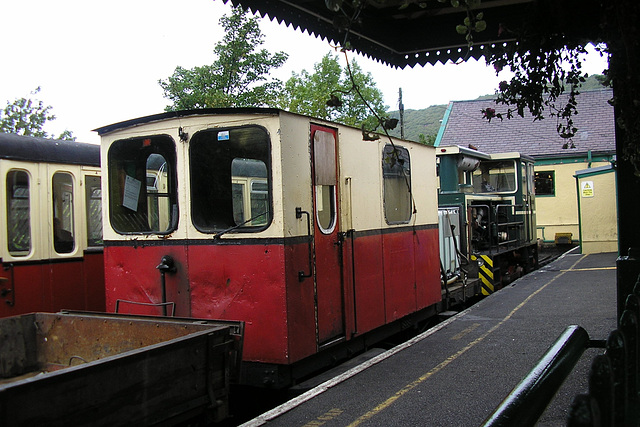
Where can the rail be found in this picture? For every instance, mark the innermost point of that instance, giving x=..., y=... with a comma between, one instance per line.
x=510, y=226
x=613, y=397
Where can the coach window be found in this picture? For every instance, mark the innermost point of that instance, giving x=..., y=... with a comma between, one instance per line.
x=250, y=192
x=63, y=221
x=142, y=185
x=93, y=195
x=18, y=213
x=396, y=172
x=545, y=183
x=230, y=179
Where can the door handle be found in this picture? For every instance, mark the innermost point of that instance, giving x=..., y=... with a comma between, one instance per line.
x=301, y=274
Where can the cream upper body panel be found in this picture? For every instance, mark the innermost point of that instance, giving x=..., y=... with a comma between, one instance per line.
x=360, y=177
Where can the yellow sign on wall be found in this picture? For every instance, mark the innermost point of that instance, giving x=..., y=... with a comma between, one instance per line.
x=587, y=188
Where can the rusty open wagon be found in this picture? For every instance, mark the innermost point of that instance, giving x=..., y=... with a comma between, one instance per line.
x=107, y=369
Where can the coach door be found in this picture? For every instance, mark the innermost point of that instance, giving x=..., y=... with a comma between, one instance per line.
x=327, y=243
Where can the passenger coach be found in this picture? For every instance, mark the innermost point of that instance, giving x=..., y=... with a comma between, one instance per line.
x=316, y=236
x=50, y=226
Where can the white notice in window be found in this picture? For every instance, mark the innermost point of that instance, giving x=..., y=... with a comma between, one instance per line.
x=131, y=193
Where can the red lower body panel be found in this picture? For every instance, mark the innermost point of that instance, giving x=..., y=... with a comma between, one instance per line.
x=53, y=285
x=385, y=277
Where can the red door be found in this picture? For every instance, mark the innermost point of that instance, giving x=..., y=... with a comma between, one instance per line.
x=327, y=243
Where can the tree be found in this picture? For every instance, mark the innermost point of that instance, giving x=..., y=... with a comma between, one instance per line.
x=332, y=93
x=238, y=76
x=27, y=117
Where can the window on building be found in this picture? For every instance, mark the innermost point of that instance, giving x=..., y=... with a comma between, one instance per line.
x=396, y=172
x=18, y=213
x=545, y=183
x=229, y=171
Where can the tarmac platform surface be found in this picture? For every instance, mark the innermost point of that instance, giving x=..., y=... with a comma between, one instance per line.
x=458, y=372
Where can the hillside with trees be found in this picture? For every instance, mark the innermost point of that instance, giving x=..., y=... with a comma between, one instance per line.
x=420, y=125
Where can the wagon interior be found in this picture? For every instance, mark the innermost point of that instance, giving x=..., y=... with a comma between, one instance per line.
x=37, y=343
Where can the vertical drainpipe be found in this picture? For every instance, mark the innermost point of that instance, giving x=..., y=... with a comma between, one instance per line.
x=579, y=209
x=443, y=124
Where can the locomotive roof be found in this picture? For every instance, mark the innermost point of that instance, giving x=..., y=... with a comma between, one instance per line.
x=183, y=113
x=32, y=149
x=472, y=152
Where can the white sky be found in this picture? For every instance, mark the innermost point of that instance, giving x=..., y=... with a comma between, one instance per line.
x=98, y=63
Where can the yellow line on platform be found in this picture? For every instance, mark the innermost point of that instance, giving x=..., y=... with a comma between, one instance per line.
x=455, y=356
x=465, y=331
x=590, y=269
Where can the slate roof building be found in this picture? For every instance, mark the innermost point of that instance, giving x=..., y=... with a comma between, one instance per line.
x=557, y=159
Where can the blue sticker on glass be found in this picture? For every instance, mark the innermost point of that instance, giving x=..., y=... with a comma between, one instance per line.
x=223, y=136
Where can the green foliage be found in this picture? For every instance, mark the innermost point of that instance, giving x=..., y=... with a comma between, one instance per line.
x=539, y=78
x=27, y=117
x=237, y=78
x=350, y=93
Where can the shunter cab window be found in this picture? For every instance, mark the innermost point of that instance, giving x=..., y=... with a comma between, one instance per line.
x=230, y=183
x=63, y=219
x=142, y=185
x=396, y=172
x=497, y=176
x=18, y=213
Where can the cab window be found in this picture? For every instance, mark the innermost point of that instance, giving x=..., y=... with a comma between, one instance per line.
x=142, y=185
x=495, y=176
x=230, y=183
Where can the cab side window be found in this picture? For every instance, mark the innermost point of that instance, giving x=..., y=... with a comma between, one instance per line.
x=396, y=173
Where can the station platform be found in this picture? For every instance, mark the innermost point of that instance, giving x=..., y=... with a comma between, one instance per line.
x=458, y=372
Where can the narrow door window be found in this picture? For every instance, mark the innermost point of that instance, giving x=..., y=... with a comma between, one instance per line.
x=94, y=210
x=324, y=152
x=63, y=221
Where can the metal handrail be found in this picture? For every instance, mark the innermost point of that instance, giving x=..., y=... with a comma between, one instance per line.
x=528, y=400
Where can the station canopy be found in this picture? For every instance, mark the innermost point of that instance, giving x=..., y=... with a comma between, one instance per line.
x=404, y=33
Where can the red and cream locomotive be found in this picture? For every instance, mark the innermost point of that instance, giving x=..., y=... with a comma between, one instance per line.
x=320, y=239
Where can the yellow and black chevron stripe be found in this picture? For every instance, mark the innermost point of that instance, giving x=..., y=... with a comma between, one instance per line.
x=485, y=273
